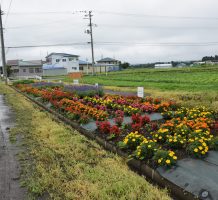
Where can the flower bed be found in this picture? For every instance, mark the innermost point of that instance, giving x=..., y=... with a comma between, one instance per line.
x=184, y=132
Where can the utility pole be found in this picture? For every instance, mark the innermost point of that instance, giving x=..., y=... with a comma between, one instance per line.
x=89, y=31
x=3, y=49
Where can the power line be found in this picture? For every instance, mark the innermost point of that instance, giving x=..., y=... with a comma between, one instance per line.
x=50, y=12
x=158, y=44
x=8, y=12
x=154, y=27
x=156, y=16
x=118, y=26
x=46, y=45
x=38, y=25
x=120, y=14
x=120, y=44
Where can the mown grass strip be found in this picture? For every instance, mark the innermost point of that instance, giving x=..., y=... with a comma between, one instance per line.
x=63, y=164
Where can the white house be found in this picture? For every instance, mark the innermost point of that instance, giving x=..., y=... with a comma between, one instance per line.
x=163, y=66
x=64, y=60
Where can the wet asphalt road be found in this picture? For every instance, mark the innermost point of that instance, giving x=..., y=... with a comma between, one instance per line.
x=9, y=166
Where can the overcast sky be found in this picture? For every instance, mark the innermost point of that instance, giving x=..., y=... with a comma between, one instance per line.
x=131, y=24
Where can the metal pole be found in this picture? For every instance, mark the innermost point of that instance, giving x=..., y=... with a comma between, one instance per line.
x=3, y=49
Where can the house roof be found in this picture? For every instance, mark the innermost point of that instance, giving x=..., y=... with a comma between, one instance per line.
x=62, y=54
x=30, y=63
x=12, y=62
x=107, y=60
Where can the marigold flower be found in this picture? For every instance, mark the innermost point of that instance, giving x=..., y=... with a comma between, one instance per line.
x=196, y=150
x=168, y=161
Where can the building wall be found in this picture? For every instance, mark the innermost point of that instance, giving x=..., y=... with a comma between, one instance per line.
x=17, y=71
x=30, y=71
x=71, y=63
x=54, y=72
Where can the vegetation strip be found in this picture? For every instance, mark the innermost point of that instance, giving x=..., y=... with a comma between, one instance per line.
x=137, y=165
x=64, y=164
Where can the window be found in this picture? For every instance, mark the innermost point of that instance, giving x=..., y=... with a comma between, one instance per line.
x=38, y=70
x=74, y=68
x=31, y=70
x=64, y=60
x=57, y=60
x=24, y=70
x=16, y=70
x=71, y=59
x=81, y=68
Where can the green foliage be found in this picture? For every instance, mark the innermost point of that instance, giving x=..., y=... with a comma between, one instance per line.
x=165, y=158
x=197, y=148
x=146, y=149
x=23, y=82
x=213, y=144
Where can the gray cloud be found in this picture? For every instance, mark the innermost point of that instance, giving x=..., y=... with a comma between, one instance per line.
x=32, y=29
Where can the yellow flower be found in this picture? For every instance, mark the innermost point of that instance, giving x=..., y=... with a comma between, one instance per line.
x=168, y=161
x=204, y=144
x=175, y=157
x=170, y=140
x=160, y=137
x=200, y=147
x=159, y=160
x=149, y=146
x=171, y=154
x=203, y=152
x=133, y=139
x=196, y=150
x=125, y=141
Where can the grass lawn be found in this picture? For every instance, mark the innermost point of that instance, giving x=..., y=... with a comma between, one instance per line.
x=184, y=79
x=62, y=164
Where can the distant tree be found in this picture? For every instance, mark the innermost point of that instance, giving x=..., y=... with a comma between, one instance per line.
x=210, y=58
x=8, y=70
x=124, y=65
x=174, y=64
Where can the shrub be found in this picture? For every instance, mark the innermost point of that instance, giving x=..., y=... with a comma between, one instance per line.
x=213, y=144
x=115, y=130
x=132, y=140
x=23, y=82
x=84, y=119
x=176, y=141
x=161, y=135
x=104, y=127
x=165, y=158
x=197, y=148
x=146, y=149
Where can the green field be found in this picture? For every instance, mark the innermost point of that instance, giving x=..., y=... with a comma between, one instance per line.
x=196, y=79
